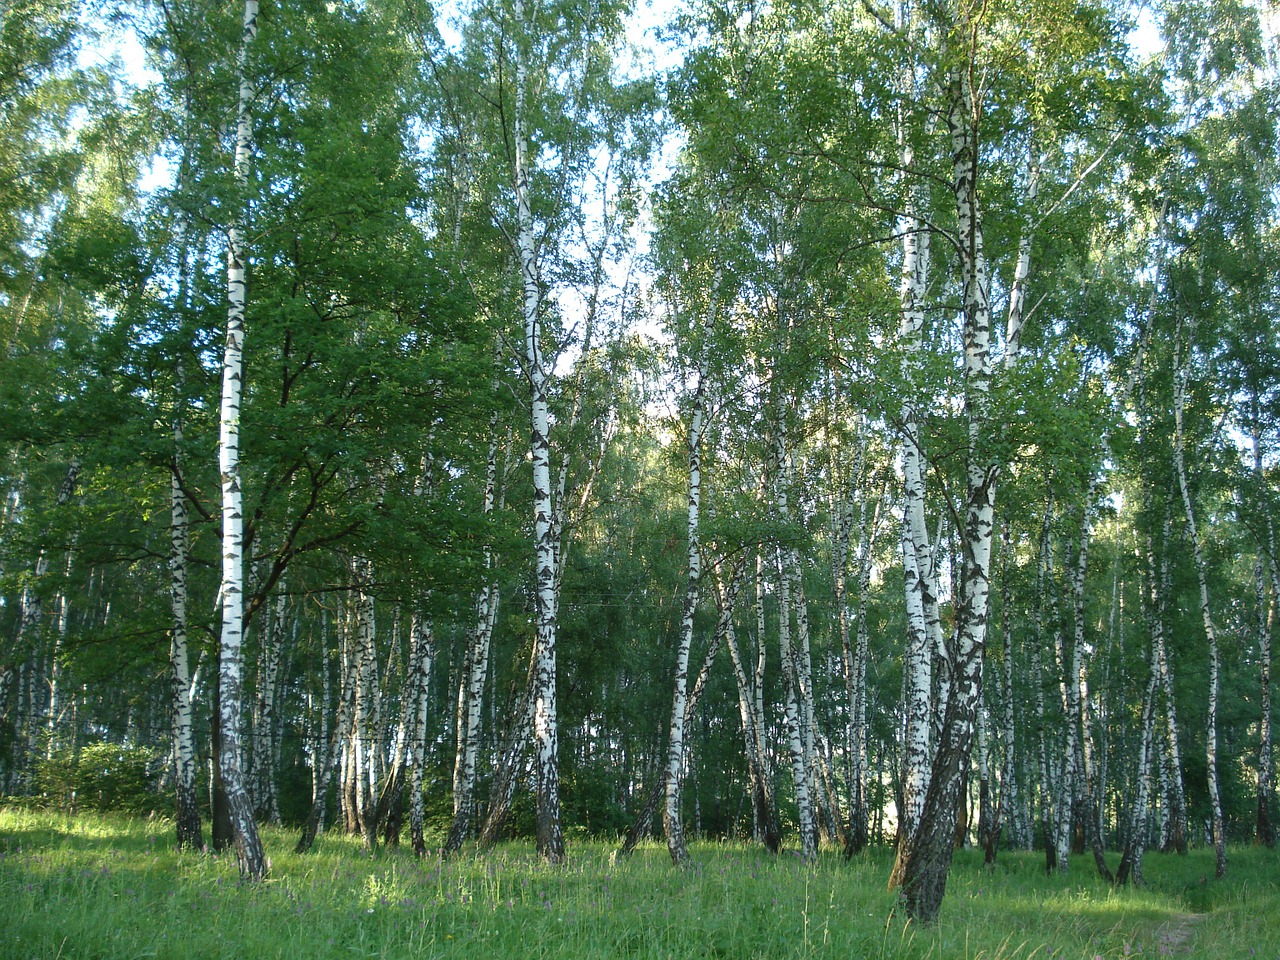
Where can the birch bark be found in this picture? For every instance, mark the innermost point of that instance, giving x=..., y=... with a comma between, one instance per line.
x=471, y=691
x=1182, y=351
x=545, y=732
x=924, y=636
x=675, y=740
x=249, y=855
x=187, y=819
x=928, y=854
x=758, y=768
x=1264, y=828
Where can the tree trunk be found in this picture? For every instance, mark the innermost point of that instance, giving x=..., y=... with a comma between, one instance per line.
x=1181, y=360
x=919, y=577
x=543, y=665
x=1089, y=798
x=328, y=760
x=187, y=814
x=927, y=855
x=1264, y=831
x=511, y=750
x=422, y=655
x=758, y=770
x=676, y=734
x=249, y=855
x=1130, y=869
x=471, y=686
x=367, y=733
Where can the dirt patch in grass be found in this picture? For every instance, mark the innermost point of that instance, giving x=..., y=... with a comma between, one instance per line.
x=1175, y=934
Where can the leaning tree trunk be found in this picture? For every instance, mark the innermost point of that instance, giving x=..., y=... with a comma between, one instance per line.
x=758, y=768
x=926, y=857
x=510, y=751
x=329, y=759
x=1181, y=360
x=658, y=787
x=471, y=685
x=671, y=822
x=249, y=854
x=1130, y=868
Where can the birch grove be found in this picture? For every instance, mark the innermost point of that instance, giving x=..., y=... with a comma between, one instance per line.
x=853, y=428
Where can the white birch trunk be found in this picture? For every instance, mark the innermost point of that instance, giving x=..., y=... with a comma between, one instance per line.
x=1265, y=829
x=1130, y=868
x=422, y=653
x=675, y=739
x=248, y=846
x=545, y=733
x=920, y=582
x=928, y=856
x=1181, y=360
x=368, y=704
x=471, y=686
x=1010, y=799
x=754, y=736
x=795, y=690
x=187, y=819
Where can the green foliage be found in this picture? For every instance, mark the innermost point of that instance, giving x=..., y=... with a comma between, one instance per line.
x=102, y=777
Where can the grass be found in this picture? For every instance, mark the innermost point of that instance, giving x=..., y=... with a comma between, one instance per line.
x=75, y=888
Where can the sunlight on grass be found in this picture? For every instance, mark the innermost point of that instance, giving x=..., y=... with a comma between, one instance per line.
x=115, y=888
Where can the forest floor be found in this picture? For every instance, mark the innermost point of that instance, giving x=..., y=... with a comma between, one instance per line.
x=109, y=888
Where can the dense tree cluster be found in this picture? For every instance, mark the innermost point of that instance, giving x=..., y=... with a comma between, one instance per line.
x=864, y=430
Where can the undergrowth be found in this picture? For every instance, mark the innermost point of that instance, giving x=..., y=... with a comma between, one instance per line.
x=111, y=888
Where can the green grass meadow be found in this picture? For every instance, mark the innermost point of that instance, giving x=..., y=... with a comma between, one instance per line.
x=110, y=888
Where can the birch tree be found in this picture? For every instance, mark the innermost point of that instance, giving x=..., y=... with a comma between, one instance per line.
x=249, y=853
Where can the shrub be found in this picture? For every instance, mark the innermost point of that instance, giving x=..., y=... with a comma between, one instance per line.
x=101, y=777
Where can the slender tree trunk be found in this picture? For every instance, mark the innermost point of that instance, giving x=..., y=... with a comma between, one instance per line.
x=29, y=647
x=367, y=741
x=510, y=752
x=545, y=733
x=422, y=655
x=329, y=760
x=1211, y=733
x=855, y=667
x=797, y=689
x=758, y=768
x=659, y=787
x=1010, y=808
x=676, y=735
x=264, y=755
x=920, y=583
x=1089, y=798
x=187, y=818
x=1172, y=793
x=390, y=810
x=1130, y=869
x=927, y=856
x=248, y=846
x=1264, y=832
x=471, y=687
